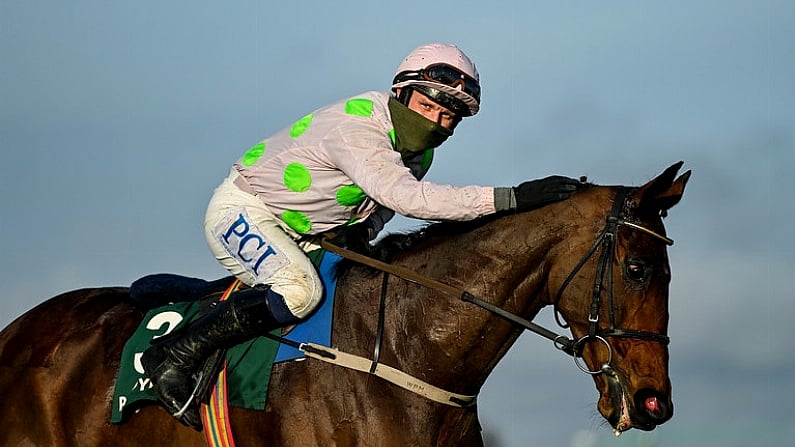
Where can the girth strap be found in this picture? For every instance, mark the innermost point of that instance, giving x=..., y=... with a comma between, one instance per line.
x=388, y=373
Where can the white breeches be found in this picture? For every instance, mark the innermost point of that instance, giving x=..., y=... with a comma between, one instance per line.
x=248, y=240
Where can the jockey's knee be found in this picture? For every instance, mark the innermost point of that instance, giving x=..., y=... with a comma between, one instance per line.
x=300, y=296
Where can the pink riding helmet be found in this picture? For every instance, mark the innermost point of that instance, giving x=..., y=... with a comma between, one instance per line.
x=446, y=69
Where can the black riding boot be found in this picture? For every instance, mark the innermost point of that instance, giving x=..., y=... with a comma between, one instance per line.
x=171, y=364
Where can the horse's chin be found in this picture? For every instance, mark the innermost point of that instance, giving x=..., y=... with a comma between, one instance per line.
x=617, y=407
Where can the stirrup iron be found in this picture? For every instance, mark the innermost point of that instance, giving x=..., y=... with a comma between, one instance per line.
x=191, y=398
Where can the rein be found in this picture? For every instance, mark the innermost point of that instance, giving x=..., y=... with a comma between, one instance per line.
x=606, y=241
x=561, y=341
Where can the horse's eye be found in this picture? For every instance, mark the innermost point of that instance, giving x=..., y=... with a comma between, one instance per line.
x=636, y=270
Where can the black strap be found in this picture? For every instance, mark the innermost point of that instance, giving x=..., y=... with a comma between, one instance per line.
x=208, y=373
x=570, y=278
x=596, y=298
x=379, y=336
x=562, y=342
x=299, y=346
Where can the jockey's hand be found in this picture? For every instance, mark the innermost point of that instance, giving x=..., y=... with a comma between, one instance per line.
x=537, y=193
x=354, y=237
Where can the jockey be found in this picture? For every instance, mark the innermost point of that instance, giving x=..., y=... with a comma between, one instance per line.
x=353, y=162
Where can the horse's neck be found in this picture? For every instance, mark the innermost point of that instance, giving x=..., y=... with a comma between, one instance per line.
x=455, y=344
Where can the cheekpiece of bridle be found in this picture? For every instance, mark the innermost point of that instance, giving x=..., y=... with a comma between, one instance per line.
x=605, y=243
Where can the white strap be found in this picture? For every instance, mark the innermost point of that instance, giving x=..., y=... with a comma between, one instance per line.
x=390, y=374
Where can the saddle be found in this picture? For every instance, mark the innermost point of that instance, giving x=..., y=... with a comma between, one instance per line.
x=173, y=300
x=160, y=289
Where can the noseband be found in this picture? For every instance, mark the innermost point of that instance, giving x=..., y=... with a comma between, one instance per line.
x=607, y=242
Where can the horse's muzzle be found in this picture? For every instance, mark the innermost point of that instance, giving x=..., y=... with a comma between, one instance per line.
x=645, y=409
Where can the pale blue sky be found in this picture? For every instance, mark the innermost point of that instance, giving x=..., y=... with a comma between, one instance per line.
x=117, y=119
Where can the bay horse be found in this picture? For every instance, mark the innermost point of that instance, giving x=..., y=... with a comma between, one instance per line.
x=599, y=258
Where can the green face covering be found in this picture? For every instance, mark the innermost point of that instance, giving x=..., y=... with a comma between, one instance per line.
x=413, y=132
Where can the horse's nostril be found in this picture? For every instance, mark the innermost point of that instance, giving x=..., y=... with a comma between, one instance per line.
x=651, y=404
x=652, y=407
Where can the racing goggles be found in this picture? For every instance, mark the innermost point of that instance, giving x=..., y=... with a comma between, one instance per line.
x=446, y=75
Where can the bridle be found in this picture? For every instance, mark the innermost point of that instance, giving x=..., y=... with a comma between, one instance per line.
x=606, y=240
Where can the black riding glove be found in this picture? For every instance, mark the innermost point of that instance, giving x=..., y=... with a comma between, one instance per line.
x=535, y=193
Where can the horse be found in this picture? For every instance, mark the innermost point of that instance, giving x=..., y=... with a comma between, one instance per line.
x=599, y=258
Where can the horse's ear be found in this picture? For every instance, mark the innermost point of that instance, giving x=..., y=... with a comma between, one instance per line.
x=664, y=191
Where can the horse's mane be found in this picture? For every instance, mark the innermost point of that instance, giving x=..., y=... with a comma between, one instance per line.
x=394, y=244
